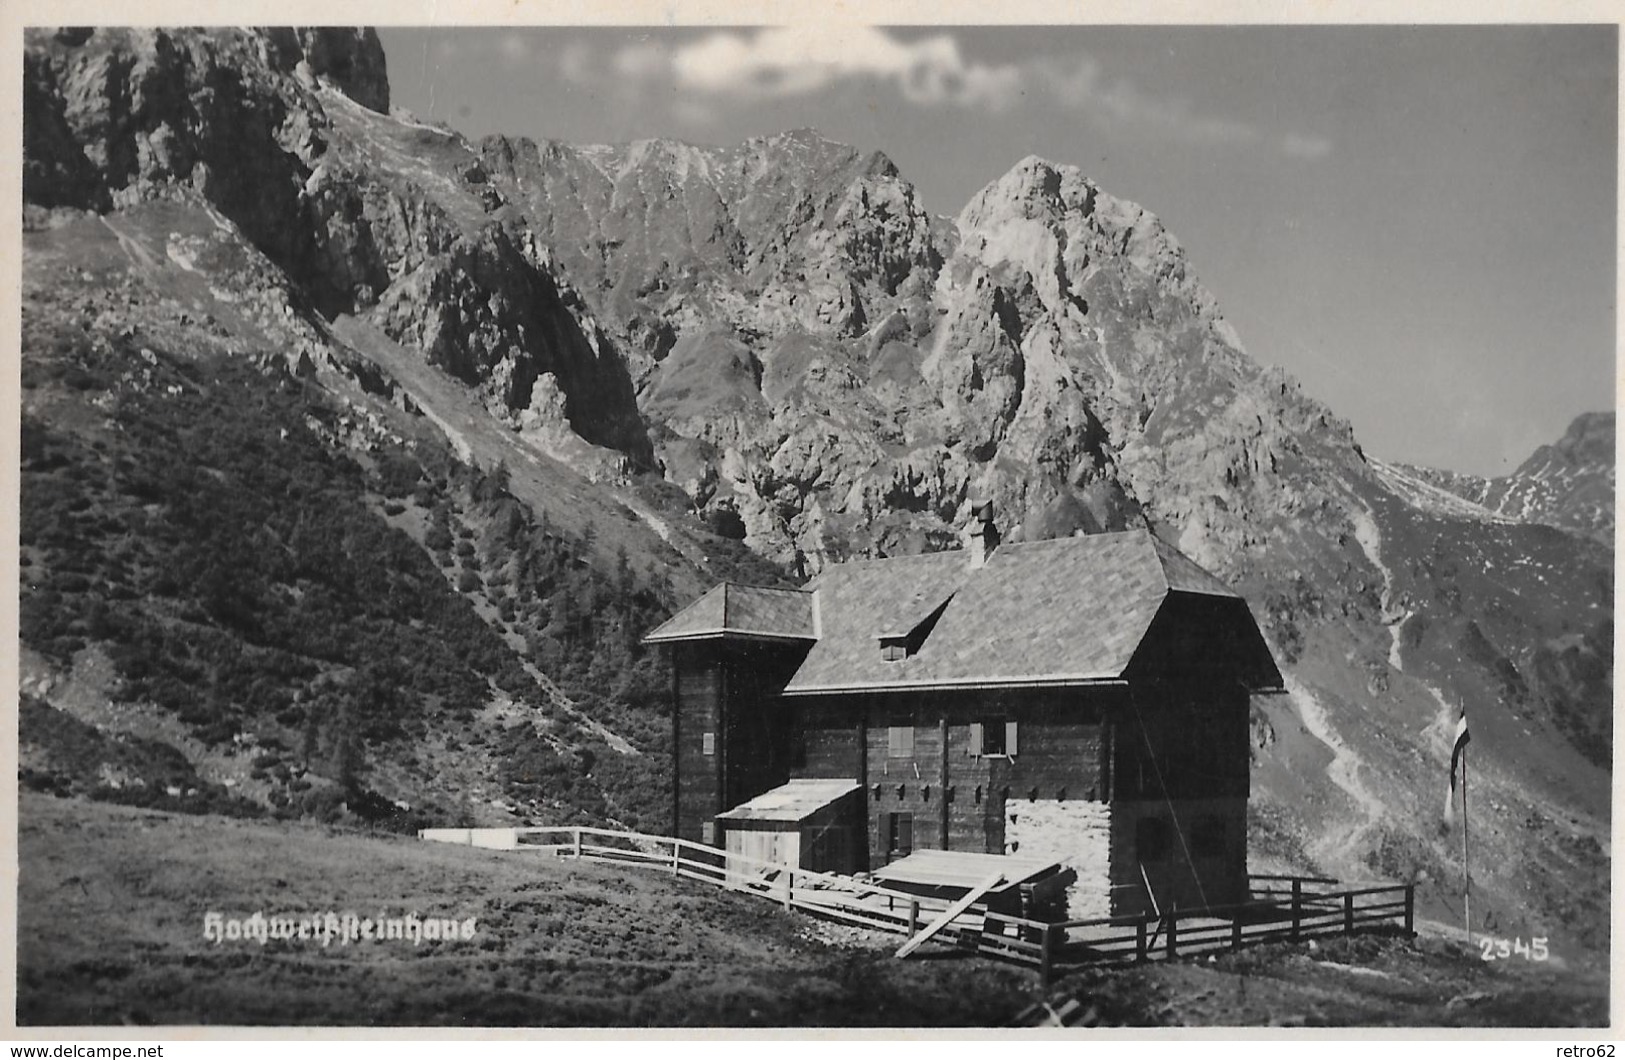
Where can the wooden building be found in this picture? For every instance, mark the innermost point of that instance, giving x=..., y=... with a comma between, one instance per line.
x=813, y=824
x=1084, y=700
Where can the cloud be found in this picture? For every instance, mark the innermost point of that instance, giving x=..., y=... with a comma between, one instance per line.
x=513, y=48
x=780, y=62
x=643, y=61
x=576, y=62
x=785, y=62
x=1080, y=84
x=1310, y=147
x=741, y=68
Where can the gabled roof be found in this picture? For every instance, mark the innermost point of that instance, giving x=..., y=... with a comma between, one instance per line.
x=1184, y=575
x=1066, y=611
x=1063, y=612
x=749, y=611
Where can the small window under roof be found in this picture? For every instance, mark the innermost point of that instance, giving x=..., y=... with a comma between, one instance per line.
x=896, y=646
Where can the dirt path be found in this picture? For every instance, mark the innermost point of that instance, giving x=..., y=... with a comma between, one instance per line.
x=1369, y=537
x=139, y=255
x=1438, y=730
x=1337, y=848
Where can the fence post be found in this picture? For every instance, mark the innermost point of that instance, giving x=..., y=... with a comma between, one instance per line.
x=1297, y=907
x=1235, y=931
x=1410, y=909
x=1348, y=914
x=575, y=836
x=1139, y=940
x=1046, y=955
x=1173, y=933
x=913, y=917
x=676, y=856
x=789, y=886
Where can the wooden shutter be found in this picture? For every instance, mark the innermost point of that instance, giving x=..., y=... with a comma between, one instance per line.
x=900, y=741
x=1010, y=738
x=905, y=834
x=975, y=737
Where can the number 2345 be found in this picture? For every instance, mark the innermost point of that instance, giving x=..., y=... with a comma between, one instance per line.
x=1505, y=949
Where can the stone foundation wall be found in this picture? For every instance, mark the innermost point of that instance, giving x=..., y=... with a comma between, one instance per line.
x=1076, y=833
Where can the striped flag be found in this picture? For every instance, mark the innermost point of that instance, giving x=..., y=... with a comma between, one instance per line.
x=1463, y=738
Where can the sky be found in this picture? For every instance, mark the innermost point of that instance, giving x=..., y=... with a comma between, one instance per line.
x=1419, y=223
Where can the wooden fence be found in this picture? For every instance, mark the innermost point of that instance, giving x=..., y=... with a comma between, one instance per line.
x=1282, y=908
x=843, y=898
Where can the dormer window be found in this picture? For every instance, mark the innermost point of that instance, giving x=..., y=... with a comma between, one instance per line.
x=897, y=644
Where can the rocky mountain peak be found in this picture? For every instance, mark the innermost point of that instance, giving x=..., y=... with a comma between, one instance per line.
x=1034, y=187
x=351, y=59
x=1569, y=483
x=805, y=139
x=1589, y=441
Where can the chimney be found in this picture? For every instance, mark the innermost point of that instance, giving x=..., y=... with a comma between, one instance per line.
x=981, y=536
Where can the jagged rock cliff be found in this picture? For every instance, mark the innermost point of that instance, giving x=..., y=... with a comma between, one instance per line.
x=272, y=129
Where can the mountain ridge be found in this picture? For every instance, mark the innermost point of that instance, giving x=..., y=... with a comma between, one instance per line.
x=1582, y=464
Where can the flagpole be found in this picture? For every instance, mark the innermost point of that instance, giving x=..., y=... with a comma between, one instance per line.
x=1466, y=865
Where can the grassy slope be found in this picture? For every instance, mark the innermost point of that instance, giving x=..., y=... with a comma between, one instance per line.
x=111, y=903
x=1367, y=981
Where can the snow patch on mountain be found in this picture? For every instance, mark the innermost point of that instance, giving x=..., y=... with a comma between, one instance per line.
x=1435, y=500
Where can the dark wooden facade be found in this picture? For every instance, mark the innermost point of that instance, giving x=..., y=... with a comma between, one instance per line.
x=730, y=733
x=1168, y=759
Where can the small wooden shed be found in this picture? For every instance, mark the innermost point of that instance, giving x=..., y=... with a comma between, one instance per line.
x=811, y=824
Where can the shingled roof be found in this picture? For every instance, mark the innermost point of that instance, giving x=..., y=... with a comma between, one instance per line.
x=1068, y=611
x=752, y=611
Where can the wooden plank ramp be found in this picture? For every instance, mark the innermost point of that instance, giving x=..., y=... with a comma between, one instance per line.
x=950, y=914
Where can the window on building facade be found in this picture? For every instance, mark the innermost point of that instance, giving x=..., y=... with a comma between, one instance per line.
x=900, y=741
x=899, y=833
x=993, y=736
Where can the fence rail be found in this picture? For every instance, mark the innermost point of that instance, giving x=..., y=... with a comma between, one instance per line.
x=1281, y=908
